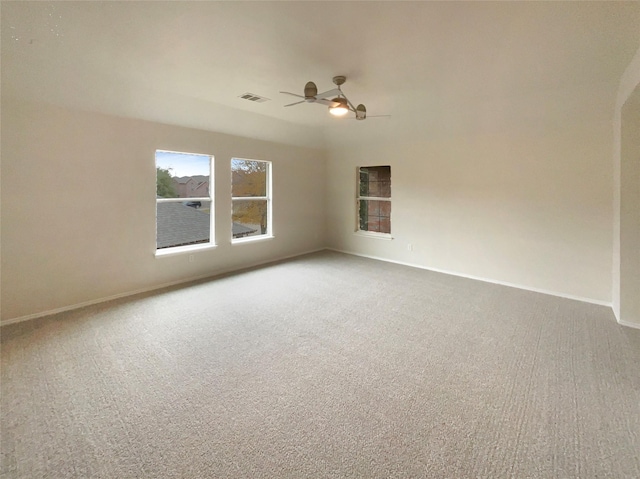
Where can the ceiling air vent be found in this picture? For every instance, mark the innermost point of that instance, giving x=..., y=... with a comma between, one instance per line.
x=254, y=97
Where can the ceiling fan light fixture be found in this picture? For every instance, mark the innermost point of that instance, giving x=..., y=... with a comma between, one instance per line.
x=340, y=109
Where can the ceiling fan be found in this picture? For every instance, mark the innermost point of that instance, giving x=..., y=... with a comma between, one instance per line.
x=339, y=105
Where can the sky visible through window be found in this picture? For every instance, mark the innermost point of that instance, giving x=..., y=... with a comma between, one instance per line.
x=182, y=164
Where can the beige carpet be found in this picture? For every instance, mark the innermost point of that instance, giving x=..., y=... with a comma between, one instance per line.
x=325, y=366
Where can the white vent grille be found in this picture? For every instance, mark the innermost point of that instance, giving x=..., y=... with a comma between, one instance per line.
x=253, y=97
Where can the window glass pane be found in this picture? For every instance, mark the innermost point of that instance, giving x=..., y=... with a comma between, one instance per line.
x=249, y=218
x=375, y=181
x=248, y=178
x=182, y=175
x=180, y=224
x=375, y=216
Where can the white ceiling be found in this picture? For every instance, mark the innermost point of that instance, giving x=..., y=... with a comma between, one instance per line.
x=444, y=66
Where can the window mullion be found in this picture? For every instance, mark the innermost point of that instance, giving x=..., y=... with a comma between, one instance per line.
x=180, y=200
x=375, y=198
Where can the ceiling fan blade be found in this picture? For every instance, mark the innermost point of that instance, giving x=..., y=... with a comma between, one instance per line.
x=368, y=116
x=296, y=103
x=327, y=102
x=327, y=94
x=292, y=94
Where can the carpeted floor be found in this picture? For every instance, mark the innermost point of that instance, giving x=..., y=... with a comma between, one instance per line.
x=325, y=366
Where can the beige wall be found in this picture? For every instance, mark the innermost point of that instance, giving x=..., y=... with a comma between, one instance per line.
x=528, y=204
x=78, y=209
x=529, y=207
x=630, y=212
x=626, y=267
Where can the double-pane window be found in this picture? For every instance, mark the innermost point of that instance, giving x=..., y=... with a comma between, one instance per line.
x=251, y=198
x=184, y=200
x=374, y=199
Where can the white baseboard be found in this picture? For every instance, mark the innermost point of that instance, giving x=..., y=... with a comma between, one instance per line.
x=628, y=324
x=281, y=258
x=486, y=280
x=71, y=307
x=615, y=313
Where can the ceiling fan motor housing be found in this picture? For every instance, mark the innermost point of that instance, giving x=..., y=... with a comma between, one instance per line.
x=339, y=80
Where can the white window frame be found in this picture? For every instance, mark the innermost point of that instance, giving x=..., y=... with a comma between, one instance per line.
x=358, y=231
x=268, y=198
x=190, y=248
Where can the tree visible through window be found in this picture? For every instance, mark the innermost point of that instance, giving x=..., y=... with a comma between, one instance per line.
x=184, y=202
x=374, y=199
x=251, y=198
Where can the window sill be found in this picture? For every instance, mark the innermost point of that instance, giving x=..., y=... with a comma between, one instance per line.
x=368, y=234
x=183, y=249
x=252, y=239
